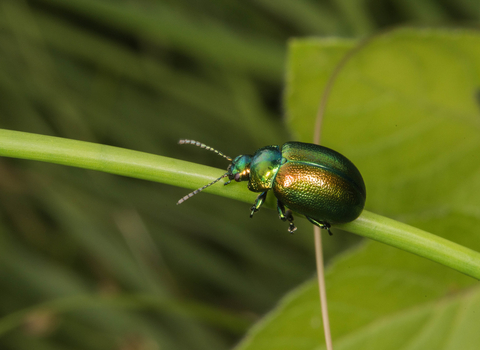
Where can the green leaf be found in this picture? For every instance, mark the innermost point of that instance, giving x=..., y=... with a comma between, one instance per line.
x=403, y=109
x=359, y=322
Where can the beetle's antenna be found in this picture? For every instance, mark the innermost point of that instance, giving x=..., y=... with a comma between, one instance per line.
x=191, y=194
x=202, y=145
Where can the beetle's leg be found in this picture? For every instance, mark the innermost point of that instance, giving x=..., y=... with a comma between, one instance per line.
x=281, y=210
x=258, y=203
x=285, y=215
x=322, y=224
x=289, y=216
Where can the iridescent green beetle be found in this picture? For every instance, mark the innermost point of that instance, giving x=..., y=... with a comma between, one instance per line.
x=309, y=179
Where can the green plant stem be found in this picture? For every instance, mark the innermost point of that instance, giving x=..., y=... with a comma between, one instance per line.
x=115, y=160
x=416, y=241
x=170, y=171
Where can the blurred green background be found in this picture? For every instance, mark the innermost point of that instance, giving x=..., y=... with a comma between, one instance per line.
x=95, y=261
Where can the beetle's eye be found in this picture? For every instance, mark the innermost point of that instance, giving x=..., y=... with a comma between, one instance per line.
x=237, y=177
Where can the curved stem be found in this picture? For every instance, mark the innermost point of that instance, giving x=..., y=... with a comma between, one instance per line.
x=115, y=160
x=170, y=171
x=416, y=241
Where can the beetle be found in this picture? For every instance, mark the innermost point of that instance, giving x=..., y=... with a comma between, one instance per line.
x=312, y=180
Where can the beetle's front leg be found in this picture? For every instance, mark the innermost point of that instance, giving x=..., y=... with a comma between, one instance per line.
x=286, y=215
x=258, y=203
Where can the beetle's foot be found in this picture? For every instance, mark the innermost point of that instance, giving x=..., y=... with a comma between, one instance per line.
x=322, y=224
x=253, y=210
x=289, y=216
x=326, y=226
x=291, y=228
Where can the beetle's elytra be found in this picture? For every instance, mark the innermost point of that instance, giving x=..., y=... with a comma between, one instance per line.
x=309, y=179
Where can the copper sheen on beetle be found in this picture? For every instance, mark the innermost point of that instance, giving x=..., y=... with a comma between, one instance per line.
x=309, y=179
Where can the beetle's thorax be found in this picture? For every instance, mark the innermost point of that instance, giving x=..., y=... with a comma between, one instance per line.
x=264, y=167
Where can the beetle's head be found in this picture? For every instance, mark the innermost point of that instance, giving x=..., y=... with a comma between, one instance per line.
x=239, y=169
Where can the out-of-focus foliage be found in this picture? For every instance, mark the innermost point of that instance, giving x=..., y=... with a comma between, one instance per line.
x=413, y=129
x=95, y=261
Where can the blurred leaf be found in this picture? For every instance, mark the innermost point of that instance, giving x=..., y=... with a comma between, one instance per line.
x=311, y=18
x=403, y=109
x=206, y=39
x=450, y=320
x=357, y=15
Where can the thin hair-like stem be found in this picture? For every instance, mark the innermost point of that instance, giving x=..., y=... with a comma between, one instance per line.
x=316, y=230
x=321, y=280
x=321, y=286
